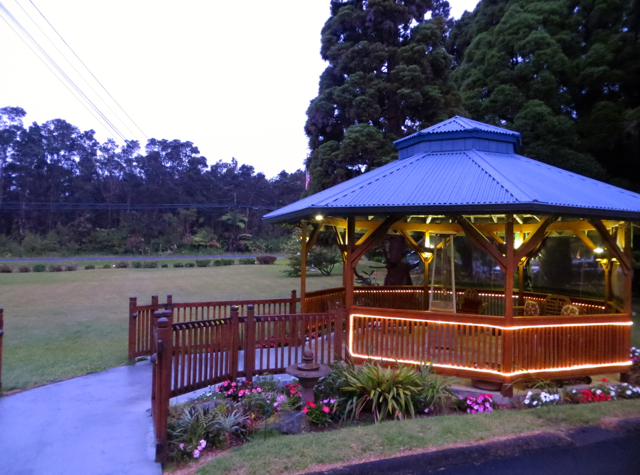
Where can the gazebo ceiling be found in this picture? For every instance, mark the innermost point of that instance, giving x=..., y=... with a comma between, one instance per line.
x=461, y=166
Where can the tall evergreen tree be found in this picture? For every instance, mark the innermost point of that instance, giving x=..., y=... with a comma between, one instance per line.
x=387, y=77
x=564, y=73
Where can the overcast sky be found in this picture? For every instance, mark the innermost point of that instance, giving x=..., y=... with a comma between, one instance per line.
x=233, y=77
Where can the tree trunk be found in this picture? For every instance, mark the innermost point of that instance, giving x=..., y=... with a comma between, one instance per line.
x=395, y=250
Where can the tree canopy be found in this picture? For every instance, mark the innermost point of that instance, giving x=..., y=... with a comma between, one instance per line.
x=387, y=77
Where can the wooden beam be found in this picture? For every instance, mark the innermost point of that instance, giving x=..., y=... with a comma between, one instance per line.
x=582, y=235
x=534, y=240
x=612, y=246
x=375, y=238
x=341, y=245
x=495, y=236
x=480, y=240
x=303, y=268
x=314, y=236
x=419, y=250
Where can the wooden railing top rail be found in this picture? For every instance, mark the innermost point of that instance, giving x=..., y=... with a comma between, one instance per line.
x=320, y=293
x=217, y=303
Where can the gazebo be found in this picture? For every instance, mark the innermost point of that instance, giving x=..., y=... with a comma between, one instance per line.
x=463, y=180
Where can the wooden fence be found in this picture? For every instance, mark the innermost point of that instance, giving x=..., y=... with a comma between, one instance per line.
x=141, y=342
x=192, y=355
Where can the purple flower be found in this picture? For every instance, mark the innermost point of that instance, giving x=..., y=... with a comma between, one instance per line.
x=181, y=446
x=196, y=453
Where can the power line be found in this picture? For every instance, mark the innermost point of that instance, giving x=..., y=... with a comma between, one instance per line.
x=102, y=117
x=71, y=64
x=48, y=206
x=87, y=68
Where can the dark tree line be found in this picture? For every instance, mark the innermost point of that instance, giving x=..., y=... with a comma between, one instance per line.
x=564, y=73
x=62, y=189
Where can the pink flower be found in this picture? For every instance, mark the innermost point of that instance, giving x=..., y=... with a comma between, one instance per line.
x=489, y=409
x=480, y=409
x=203, y=444
x=468, y=411
x=181, y=446
x=326, y=409
x=233, y=384
x=226, y=383
x=258, y=390
x=196, y=453
x=305, y=409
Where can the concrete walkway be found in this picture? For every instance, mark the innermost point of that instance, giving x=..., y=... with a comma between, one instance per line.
x=97, y=424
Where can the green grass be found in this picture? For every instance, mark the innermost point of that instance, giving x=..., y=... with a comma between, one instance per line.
x=286, y=454
x=64, y=324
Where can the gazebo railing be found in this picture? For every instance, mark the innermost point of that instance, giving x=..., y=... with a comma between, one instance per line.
x=483, y=347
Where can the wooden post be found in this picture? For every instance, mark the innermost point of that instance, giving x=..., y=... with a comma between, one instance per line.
x=235, y=339
x=507, y=335
x=628, y=277
x=154, y=300
x=338, y=329
x=250, y=343
x=521, y=266
x=292, y=305
x=133, y=315
x=606, y=265
x=1, y=338
x=169, y=301
x=164, y=341
x=348, y=279
x=303, y=269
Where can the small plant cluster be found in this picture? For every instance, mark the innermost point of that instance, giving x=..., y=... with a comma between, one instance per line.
x=477, y=404
x=226, y=415
x=349, y=391
x=542, y=398
x=246, y=261
x=320, y=414
x=223, y=262
x=237, y=390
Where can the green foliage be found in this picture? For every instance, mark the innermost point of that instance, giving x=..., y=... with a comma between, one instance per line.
x=178, y=264
x=89, y=267
x=106, y=266
x=164, y=266
x=122, y=265
x=246, y=261
x=266, y=260
x=383, y=390
x=136, y=265
x=39, y=268
x=203, y=262
x=321, y=258
x=387, y=77
x=223, y=262
x=71, y=268
x=563, y=73
x=189, y=264
x=150, y=264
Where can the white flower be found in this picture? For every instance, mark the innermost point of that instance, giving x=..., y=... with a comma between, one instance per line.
x=535, y=403
x=526, y=401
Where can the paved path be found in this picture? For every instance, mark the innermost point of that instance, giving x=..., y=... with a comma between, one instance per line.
x=97, y=424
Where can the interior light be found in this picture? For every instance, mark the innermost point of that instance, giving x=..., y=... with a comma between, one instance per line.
x=598, y=250
x=319, y=217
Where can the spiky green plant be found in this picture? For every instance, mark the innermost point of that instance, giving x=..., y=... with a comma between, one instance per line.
x=387, y=391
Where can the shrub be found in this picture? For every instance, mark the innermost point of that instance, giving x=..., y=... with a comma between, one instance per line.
x=164, y=266
x=122, y=265
x=266, y=260
x=626, y=391
x=189, y=264
x=387, y=391
x=71, y=268
x=24, y=269
x=203, y=262
x=246, y=261
x=150, y=264
x=227, y=262
x=178, y=264
x=237, y=389
x=217, y=263
x=55, y=268
x=6, y=269
x=39, y=268
x=320, y=414
x=89, y=267
x=106, y=266
x=136, y=265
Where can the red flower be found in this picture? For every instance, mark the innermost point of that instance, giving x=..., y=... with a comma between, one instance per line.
x=605, y=380
x=305, y=409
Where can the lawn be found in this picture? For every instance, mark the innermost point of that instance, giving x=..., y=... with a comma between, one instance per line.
x=309, y=452
x=64, y=324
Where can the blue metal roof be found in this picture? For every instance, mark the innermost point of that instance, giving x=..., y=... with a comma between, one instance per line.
x=469, y=179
